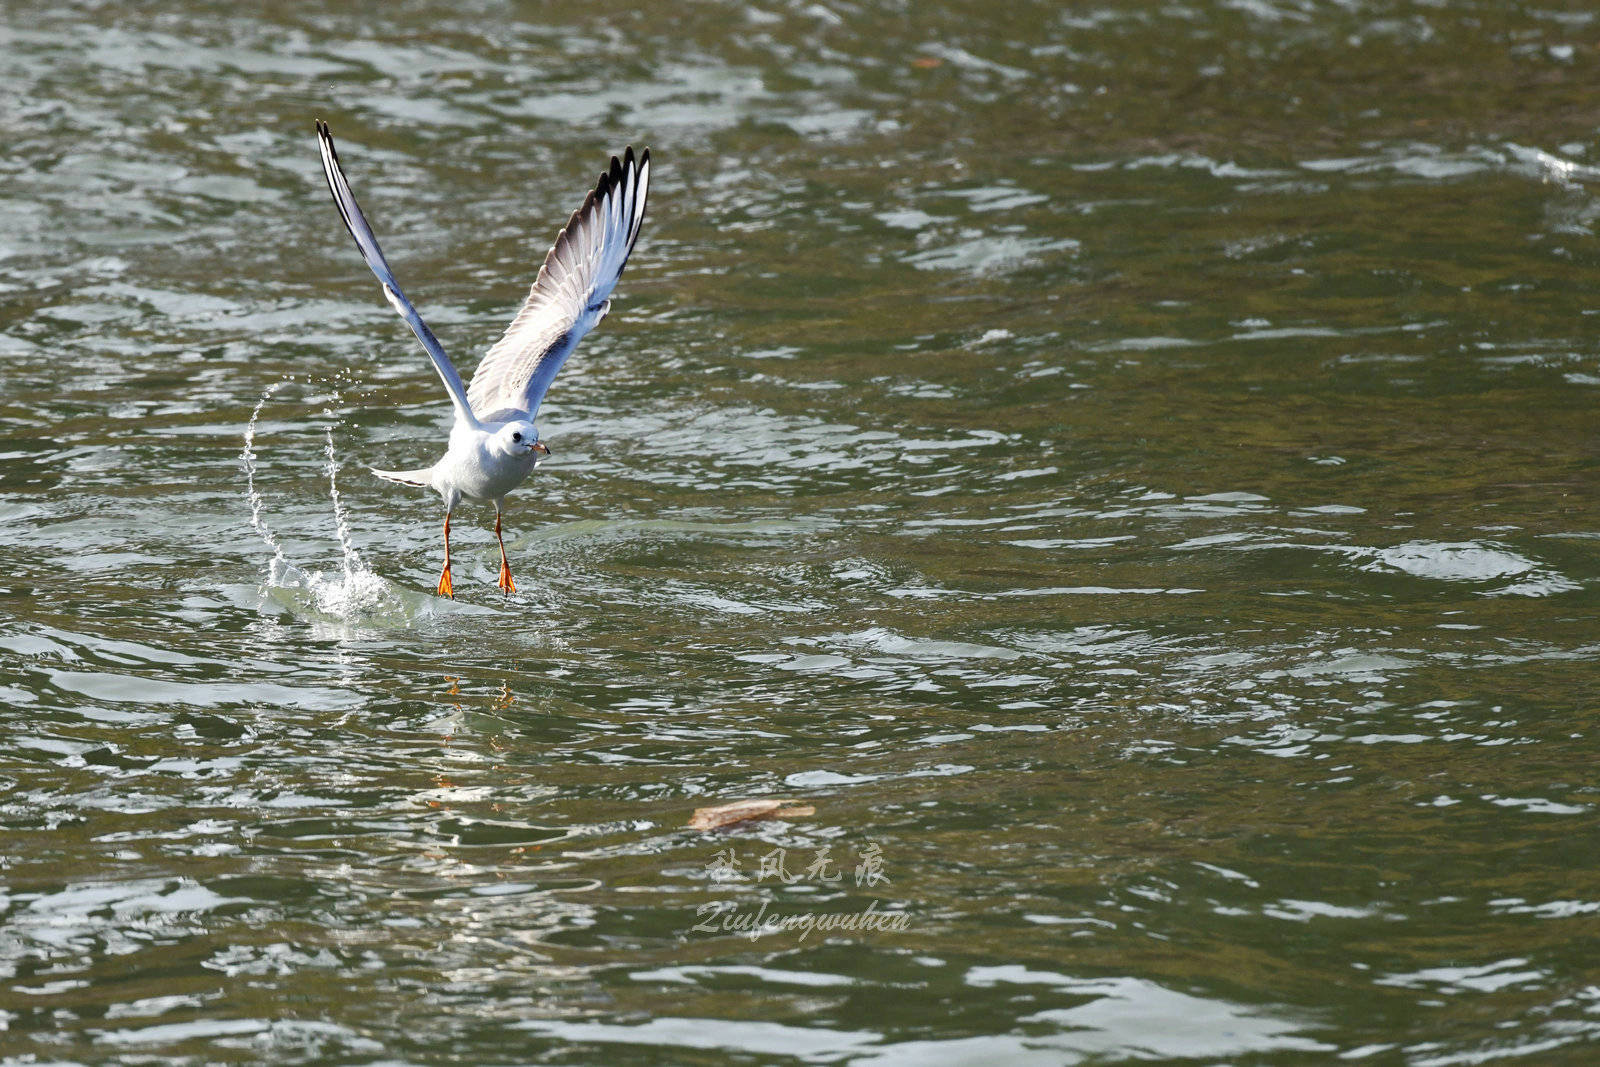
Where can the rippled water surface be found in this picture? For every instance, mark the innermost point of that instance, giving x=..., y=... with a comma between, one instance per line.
x=1131, y=470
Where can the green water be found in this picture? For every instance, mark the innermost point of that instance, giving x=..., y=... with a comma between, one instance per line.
x=1131, y=469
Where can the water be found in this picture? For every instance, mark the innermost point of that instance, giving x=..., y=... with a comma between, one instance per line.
x=1131, y=469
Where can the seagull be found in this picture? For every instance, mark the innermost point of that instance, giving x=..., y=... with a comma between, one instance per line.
x=494, y=444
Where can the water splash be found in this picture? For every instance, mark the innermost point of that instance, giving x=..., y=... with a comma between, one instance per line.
x=356, y=588
x=352, y=590
x=278, y=568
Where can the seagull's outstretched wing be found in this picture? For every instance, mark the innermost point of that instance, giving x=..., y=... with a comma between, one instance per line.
x=356, y=223
x=569, y=296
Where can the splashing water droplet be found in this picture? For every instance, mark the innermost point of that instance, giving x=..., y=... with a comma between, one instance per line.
x=358, y=588
x=279, y=567
x=354, y=589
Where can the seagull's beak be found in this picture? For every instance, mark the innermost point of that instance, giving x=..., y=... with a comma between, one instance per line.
x=541, y=448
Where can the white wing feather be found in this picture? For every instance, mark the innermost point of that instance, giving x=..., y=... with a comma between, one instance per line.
x=367, y=242
x=569, y=296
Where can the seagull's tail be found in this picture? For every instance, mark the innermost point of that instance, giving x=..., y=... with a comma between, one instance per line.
x=422, y=478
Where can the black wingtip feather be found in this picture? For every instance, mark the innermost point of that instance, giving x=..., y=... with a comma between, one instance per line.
x=611, y=178
x=326, y=137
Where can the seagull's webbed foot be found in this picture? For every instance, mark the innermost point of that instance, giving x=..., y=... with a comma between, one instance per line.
x=507, y=586
x=445, y=588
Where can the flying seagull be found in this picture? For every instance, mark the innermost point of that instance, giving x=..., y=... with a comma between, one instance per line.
x=494, y=444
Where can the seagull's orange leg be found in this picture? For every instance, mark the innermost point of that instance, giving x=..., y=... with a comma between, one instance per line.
x=506, y=584
x=445, y=588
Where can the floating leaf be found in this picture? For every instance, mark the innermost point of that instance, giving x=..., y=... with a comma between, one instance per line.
x=715, y=818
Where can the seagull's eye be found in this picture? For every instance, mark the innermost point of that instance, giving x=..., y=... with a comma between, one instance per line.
x=516, y=435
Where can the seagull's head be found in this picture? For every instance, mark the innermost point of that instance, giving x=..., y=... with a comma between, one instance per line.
x=520, y=438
